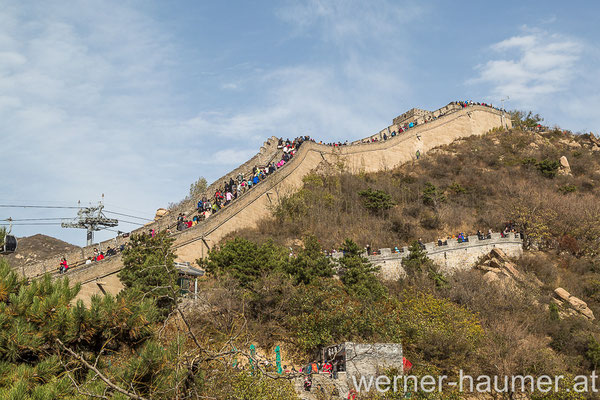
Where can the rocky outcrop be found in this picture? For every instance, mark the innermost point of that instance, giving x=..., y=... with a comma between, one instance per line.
x=565, y=299
x=161, y=212
x=570, y=143
x=499, y=268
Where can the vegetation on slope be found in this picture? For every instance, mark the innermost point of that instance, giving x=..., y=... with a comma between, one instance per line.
x=475, y=183
x=148, y=342
x=127, y=347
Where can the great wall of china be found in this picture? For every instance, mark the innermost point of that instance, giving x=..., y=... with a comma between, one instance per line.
x=451, y=256
x=433, y=129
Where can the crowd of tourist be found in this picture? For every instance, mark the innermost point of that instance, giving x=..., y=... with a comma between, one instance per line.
x=431, y=117
x=101, y=255
x=468, y=103
x=231, y=190
x=96, y=256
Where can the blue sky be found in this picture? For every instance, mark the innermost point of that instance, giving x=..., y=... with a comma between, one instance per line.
x=137, y=99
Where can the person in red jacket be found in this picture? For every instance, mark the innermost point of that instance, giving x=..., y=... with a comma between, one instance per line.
x=63, y=266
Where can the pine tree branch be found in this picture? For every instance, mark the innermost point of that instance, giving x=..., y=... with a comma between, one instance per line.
x=99, y=396
x=100, y=375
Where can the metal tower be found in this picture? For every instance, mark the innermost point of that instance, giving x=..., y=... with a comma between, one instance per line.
x=92, y=219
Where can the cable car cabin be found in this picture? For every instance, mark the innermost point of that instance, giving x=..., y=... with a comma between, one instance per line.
x=9, y=246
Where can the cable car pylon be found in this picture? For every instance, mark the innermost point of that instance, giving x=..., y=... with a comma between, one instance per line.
x=92, y=219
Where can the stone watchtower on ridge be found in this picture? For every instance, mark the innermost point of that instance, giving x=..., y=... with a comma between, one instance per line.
x=412, y=115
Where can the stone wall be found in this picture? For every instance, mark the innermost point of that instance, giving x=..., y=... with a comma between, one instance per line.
x=410, y=116
x=246, y=211
x=76, y=257
x=372, y=359
x=451, y=257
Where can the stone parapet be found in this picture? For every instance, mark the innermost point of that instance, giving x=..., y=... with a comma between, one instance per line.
x=451, y=256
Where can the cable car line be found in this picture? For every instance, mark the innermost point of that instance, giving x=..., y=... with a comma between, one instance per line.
x=37, y=206
x=127, y=215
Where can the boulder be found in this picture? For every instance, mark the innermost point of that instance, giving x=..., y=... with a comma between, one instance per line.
x=490, y=277
x=161, y=212
x=511, y=268
x=490, y=269
x=495, y=263
x=496, y=252
x=562, y=294
x=570, y=143
x=594, y=140
x=556, y=301
x=565, y=168
x=575, y=303
x=581, y=307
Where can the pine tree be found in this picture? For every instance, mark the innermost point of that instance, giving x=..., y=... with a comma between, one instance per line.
x=246, y=261
x=149, y=270
x=417, y=264
x=358, y=274
x=38, y=322
x=311, y=263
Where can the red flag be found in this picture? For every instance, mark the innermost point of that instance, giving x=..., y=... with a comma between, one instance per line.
x=406, y=364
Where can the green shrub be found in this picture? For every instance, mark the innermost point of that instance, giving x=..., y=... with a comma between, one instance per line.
x=358, y=274
x=553, y=309
x=432, y=196
x=246, y=261
x=529, y=161
x=570, y=188
x=376, y=200
x=548, y=168
x=149, y=270
x=457, y=188
x=438, y=328
x=418, y=264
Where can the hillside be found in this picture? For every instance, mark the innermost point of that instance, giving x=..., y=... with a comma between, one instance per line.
x=530, y=315
x=31, y=249
x=505, y=177
x=474, y=183
x=416, y=134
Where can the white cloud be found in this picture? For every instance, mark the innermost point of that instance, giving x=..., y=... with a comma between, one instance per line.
x=83, y=87
x=349, y=22
x=549, y=73
x=352, y=93
x=88, y=103
x=534, y=64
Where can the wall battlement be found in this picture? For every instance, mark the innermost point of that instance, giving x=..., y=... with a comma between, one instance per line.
x=451, y=257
